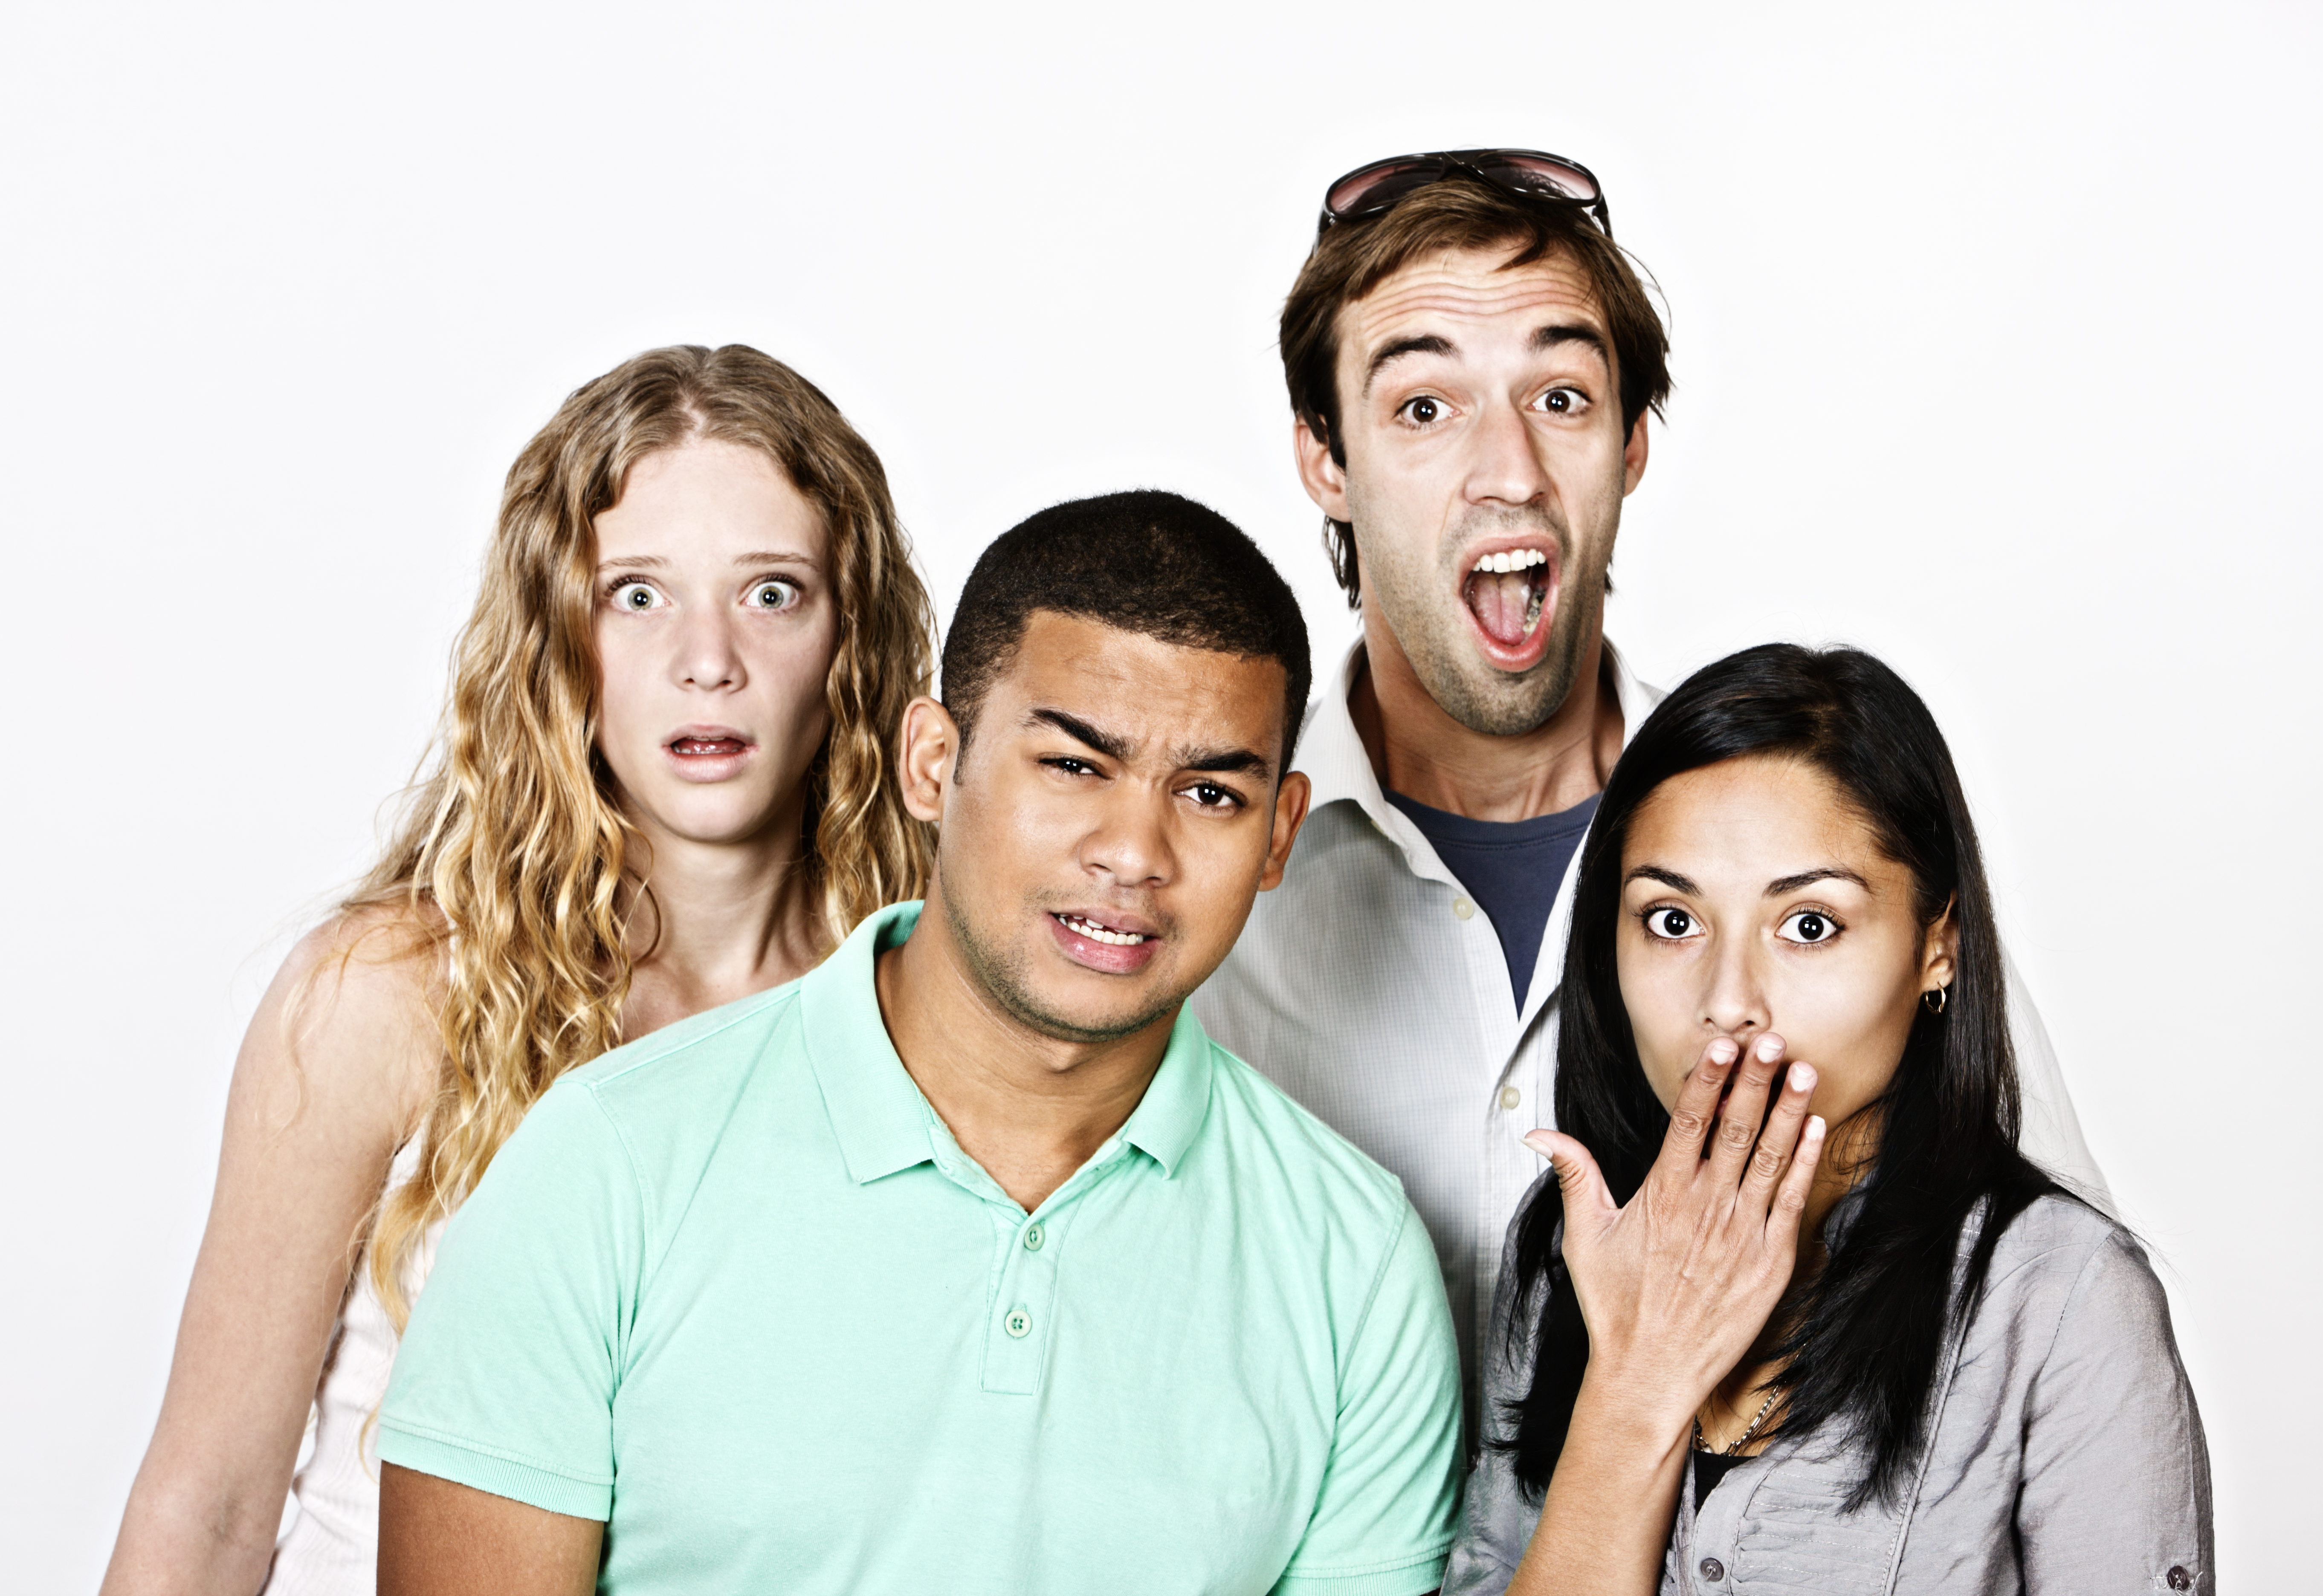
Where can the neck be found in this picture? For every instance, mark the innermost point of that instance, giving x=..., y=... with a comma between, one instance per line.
x=718, y=921
x=1028, y=1107
x=1423, y=753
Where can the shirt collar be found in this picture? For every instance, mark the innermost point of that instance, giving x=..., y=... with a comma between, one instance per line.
x=882, y=1121
x=1164, y=1124
x=1339, y=768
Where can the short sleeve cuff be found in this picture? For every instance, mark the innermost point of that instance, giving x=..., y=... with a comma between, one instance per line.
x=1411, y=1576
x=464, y=1463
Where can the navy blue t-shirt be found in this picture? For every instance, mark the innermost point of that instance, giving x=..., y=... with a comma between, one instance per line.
x=1512, y=868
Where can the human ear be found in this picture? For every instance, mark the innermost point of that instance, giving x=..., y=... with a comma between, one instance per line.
x=1324, y=478
x=1633, y=456
x=931, y=740
x=1290, y=799
x=1940, y=950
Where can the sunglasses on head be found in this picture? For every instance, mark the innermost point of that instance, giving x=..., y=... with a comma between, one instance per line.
x=1375, y=189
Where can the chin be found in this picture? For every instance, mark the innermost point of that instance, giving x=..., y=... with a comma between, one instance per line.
x=716, y=825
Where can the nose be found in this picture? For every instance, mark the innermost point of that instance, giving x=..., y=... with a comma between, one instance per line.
x=1734, y=1000
x=1504, y=467
x=1130, y=845
x=707, y=657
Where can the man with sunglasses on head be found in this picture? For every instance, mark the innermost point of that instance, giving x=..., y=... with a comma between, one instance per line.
x=1472, y=362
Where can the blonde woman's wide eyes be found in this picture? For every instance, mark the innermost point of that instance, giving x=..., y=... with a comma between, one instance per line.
x=1809, y=926
x=1671, y=925
x=635, y=596
x=774, y=595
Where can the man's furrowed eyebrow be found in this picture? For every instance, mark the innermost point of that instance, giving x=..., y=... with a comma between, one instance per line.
x=1788, y=884
x=1080, y=730
x=1670, y=878
x=1549, y=338
x=1225, y=762
x=1396, y=349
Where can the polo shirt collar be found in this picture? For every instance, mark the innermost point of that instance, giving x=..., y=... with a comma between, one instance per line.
x=877, y=1112
x=1166, y=1120
x=881, y=1120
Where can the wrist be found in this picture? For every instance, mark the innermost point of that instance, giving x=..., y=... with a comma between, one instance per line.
x=1644, y=1415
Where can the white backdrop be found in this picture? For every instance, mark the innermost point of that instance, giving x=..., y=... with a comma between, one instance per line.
x=1995, y=338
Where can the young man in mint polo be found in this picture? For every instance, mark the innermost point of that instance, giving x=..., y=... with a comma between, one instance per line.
x=967, y=1261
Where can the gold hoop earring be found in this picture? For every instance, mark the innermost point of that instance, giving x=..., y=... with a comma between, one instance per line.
x=1934, y=998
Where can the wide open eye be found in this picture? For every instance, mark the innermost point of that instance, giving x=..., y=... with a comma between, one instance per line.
x=1809, y=926
x=1670, y=924
x=1563, y=401
x=635, y=596
x=775, y=594
x=1423, y=412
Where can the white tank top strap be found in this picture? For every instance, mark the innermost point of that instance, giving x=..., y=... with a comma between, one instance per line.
x=329, y=1544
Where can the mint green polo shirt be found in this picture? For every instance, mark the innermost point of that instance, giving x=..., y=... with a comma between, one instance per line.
x=734, y=1290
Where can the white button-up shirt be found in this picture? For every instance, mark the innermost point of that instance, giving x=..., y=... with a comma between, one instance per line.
x=1372, y=988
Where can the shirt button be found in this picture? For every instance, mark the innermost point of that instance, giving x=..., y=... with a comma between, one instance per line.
x=2179, y=1579
x=1033, y=1236
x=1713, y=1570
x=1511, y=1097
x=1018, y=1324
x=1463, y=908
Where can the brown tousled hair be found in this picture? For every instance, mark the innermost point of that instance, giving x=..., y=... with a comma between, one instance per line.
x=514, y=873
x=1455, y=213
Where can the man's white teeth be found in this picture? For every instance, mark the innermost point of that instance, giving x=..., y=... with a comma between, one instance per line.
x=1514, y=559
x=1097, y=933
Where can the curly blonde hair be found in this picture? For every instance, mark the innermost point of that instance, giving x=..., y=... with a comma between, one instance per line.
x=508, y=870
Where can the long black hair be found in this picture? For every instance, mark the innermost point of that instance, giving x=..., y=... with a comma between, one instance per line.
x=1867, y=1335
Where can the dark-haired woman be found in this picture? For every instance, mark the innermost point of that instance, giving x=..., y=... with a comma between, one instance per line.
x=1791, y=1312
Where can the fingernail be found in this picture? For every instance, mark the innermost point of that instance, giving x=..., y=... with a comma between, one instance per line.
x=1722, y=1052
x=1814, y=1127
x=1771, y=1047
x=1539, y=1143
x=1802, y=1078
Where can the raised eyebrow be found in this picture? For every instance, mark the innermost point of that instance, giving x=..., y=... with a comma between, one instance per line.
x=634, y=563
x=1670, y=878
x=1396, y=349
x=1557, y=333
x=775, y=557
x=1789, y=884
x=1080, y=730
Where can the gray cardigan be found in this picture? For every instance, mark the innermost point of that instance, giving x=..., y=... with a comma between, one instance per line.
x=2064, y=1453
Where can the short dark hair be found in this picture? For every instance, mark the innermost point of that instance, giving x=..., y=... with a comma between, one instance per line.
x=1146, y=562
x=1864, y=1347
x=1455, y=213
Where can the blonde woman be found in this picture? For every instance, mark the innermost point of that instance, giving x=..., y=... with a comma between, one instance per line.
x=661, y=785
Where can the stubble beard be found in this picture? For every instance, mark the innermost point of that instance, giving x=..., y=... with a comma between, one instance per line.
x=1435, y=639
x=1005, y=972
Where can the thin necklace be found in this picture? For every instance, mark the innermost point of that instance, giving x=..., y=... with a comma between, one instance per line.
x=1742, y=1440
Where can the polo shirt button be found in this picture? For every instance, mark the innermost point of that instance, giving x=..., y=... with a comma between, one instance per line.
x=1463, y=908
x=1511, y=1097
x=2179, y=1579
x=1033, y=1236
x=1018, y=1324
x=1713, y=1570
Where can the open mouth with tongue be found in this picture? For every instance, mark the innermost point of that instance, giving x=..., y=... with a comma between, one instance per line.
x=707, y=753
x=1509, y=595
